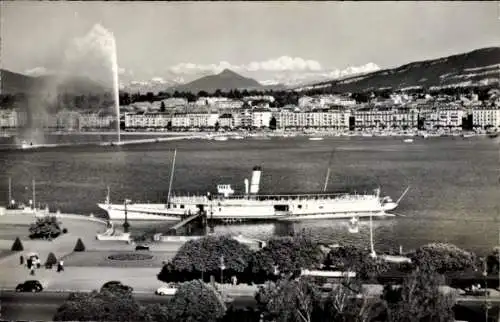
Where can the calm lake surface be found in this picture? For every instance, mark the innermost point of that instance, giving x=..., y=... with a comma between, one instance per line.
x=454, y=194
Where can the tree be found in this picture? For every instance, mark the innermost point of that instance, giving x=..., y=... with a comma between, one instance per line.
x=100, y=306
x=291, y=254
x=442, y=258
x=272, y=123
x=354, y=259
x=45, y=227
x=204, y=256
x=289, y=300
x=157, y=312
x=117, y=288
x=196, y=301
x=17, y=246
x=419, y=299
x=79, y=247
x=51, y=259
x=162, y=107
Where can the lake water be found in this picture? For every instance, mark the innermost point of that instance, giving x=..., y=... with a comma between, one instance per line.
x=454, y=194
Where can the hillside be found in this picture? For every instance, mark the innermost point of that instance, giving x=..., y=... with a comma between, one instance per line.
x=478, y=67
x=226, y=80
x=13, y=83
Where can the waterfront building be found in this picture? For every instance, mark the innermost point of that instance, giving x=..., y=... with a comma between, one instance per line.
x=227, y=121
x=448, y=116
x=180, y=120
x=261, y=117
x=96, y=121
x=333, y=118
x=202, y=120
x=147, y=120
x=8, y=119
x=485, y=117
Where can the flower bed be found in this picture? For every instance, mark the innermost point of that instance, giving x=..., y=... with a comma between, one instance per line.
x=130, y=257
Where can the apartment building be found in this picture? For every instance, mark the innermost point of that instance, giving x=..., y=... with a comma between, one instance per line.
x=385, y=117
x=328, y=118
x=96, y=121
x=147, y=120
x=261, y=118
x=486, y=117
x=8, y=119
x=444, y=117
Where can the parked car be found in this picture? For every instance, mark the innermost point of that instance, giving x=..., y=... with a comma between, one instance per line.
x=166, y=290
x=29, y=286
x=116, y=285
x=142, y=247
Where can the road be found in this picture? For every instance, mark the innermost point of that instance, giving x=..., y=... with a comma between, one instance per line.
x=42, y=306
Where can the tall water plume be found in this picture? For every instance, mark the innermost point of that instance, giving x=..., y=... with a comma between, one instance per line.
x=85, y=58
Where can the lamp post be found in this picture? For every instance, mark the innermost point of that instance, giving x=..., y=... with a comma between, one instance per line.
x=487, y=304
x=222, y=268
x=126, y=225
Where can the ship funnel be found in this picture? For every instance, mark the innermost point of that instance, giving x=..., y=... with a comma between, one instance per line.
x=246, y=186
x=255, y=183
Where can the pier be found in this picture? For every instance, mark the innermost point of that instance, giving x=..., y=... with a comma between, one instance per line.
x=173, y=230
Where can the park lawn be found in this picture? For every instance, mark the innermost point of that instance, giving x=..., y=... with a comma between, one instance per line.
x=11, y=231
x=5, y=253
x=100, y=259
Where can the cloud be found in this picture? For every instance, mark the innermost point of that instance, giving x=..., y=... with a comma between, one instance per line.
x=158, y=80
x=38, y=71
x=283, y=63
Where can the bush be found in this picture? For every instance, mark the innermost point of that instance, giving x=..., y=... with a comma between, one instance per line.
x=45, y=228
x=17, y=246
x=443, y=258
x=79, y=247
x=65, y=231
x=51, y=260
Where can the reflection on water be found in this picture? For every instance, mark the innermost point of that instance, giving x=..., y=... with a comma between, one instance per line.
x=453, y=196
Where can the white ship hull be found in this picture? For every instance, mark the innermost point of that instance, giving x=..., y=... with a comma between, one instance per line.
x=252, y=206
x=251, y=209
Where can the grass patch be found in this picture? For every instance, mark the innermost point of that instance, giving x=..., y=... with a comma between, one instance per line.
x=102, y=259
x=4, y=253
x=130, y=257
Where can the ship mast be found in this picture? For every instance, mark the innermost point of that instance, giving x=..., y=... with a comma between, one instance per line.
x=171, y=177
x=10, y=191
x=328, y=172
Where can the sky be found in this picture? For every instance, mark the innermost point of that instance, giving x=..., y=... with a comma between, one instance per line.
x=269, y=41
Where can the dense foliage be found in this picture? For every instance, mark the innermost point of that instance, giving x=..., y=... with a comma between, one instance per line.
x=51, y=259
x=419, y=299
x=100, y=306
x=354, y=259
x=196, y=301
x=17, y=246
x=45, y=228
x=202, y=258
x=79, y=247
x=443, y=258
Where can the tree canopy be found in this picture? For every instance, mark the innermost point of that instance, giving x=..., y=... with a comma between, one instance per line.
x=100, y=306
x=355, y=259
x=442, y=258
x=419, y=299
x=45, y=227
x=196, y=301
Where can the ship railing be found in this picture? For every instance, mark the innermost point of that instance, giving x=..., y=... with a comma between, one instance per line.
x=287, y=197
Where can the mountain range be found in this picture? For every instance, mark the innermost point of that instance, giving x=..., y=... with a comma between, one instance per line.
x=478, y=67
x=14, y=83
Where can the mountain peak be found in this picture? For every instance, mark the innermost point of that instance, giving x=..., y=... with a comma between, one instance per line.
x=227, y=72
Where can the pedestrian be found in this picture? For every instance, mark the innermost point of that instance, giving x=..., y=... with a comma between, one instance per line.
x=62, y=265
x=32, y=271
x=21, y=260
x=38, y=263
x=29, y=262
x=59, y=267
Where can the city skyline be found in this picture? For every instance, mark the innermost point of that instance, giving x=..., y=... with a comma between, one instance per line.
x=270, y=42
